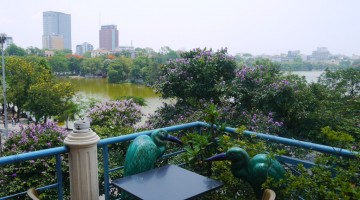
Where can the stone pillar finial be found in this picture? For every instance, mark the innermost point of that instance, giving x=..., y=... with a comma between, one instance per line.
x=83, y=162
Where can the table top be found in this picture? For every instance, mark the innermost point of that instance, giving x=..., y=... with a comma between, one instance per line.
x=167, y=182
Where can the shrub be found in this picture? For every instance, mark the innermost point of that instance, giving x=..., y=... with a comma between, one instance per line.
x=138, y=100
x=115, y=113
x=195, y=75
x=19, y=177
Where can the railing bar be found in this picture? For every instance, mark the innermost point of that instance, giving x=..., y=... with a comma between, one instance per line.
x=59, y=177
x=115, y=169
x=33, y=155
x=181, y=164
x=164, y=156
x=106, y=171
x=298, y=143
x=132, y=136
x=24, y=193
x=172, y=154
x=295, y=161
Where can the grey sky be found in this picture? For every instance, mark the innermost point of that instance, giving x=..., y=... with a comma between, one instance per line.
x=253, y=26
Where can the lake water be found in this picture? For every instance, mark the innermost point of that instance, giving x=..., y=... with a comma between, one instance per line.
x=310, y=76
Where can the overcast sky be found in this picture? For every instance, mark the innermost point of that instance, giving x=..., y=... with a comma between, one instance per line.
x=243, y=26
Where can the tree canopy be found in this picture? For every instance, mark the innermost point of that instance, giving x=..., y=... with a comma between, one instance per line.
x=195, y=75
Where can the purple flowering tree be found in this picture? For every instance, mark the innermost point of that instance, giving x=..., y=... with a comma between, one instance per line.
x=195, y=75
x=266, y=89
x=34, y=173
x=115, y=113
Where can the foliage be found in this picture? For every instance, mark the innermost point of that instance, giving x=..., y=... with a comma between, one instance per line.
x=13, y=50
x=137, y=71
x=115, y=113
x=48, y=98
x=37, y=173
x=210, y=141
x=264, y=89
x=74, y=63
x=337, y=137
x=35, y=51
x=58, y=64
x=91, y=66
x=356, y=64
x=264, y=100
x=195, y=75
x=339, y=102
x=298, y=65
x=22, y=77
x=322, y=184
x=119, y=69
x=346, y=82
x=33, y=88
x=333, y=177
x=171, y=114
x=138, y=100
x=70, y=110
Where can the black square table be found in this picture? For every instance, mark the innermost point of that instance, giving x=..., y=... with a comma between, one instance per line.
x=169, y=182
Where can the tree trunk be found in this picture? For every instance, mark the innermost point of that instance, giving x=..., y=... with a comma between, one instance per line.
x=67, y=122
x=18, y=115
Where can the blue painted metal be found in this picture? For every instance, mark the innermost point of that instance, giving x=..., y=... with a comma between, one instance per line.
x=106, y=171
x=24, y=193
x=293, y=142
x=295, y=161
x=33, y=155
x=298, y=143
x=115, y=169
x=173, y=154
x=59, y=177
x=132, y=136
x=36, y=155
x=105, y=142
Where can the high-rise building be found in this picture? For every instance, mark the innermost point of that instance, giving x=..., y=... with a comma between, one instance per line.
x=83, y=48
x=321, y=54
x=53, y=42
x=109, y=37
x=56, y=24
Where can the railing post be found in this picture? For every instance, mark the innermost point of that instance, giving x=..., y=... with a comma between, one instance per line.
x=83, y=162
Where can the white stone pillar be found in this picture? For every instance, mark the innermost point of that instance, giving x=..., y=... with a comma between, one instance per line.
x=83, y=162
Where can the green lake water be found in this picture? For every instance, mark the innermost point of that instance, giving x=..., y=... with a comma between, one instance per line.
x=99, y=89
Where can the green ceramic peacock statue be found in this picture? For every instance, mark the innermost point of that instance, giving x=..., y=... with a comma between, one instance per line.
x=255, y=170
x=145, y=150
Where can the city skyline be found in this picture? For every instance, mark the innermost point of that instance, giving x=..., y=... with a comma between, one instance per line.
x=256, y=27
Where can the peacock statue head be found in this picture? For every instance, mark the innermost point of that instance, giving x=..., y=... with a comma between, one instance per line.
x=235, y=155
x=161, y=136
x=254, y=170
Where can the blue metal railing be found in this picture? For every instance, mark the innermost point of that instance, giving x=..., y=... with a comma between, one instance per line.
x=104, y=143
x=57, y=151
